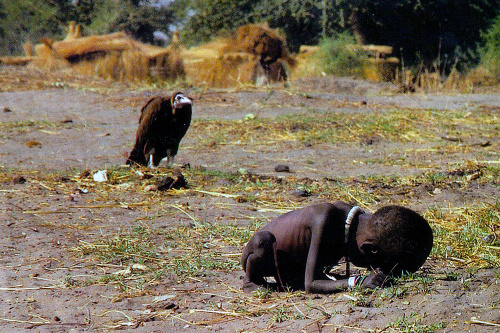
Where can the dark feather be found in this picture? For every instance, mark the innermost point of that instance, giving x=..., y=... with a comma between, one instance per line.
x=160, y=130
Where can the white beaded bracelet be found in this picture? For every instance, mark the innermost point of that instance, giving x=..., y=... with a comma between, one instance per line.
x=351, y=282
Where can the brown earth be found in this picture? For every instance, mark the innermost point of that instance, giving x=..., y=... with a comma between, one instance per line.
x=55, y=126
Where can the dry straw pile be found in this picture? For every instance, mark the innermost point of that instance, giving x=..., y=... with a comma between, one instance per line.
x=255, y=54
x=238, y=60
x=115, y=56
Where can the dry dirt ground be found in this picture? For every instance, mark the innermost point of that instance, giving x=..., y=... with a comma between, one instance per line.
x=79, y=255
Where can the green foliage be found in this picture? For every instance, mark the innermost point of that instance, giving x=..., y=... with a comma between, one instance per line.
x=433, y=32
x=212, y=18
x=2, y=16
x=31, y=20
x=429, y=32
x=490, y=51
x=137, y=18
x=441, y=33
x=300, y=20
x=280, y=315
x=303, y=21
x=25, y=20
x=335, y=58
x=466, y=236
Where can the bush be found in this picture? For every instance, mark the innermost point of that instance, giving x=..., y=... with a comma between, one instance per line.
x=490, y=51
x=335, y=57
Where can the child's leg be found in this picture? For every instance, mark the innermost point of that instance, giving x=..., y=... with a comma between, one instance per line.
x=259, y=260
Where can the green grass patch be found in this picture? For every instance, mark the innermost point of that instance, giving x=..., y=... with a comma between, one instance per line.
x=467, y=236
x=177, y=252
x=399, y=125
x=413, y=324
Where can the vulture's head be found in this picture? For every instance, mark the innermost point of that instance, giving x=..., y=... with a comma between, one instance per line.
x=179, y=100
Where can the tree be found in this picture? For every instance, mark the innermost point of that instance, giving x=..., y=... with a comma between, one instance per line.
x=490, y=48
x=429, y=32
x=210, y=18
x=299, y=19
x=422, y=32
x=2, y=16
x=302, y=21
x=26, y=20
x=136, y=17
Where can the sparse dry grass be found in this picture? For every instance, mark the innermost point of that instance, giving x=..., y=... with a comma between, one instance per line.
x=138, y=258
x=207, y=245
x=411, y=125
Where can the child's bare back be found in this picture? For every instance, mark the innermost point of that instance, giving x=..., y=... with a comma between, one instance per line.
x=295, y=247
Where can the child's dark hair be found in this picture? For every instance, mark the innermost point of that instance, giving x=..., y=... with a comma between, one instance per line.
x=404, y=238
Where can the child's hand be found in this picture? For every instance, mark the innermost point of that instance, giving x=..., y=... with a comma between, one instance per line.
x=374, y=280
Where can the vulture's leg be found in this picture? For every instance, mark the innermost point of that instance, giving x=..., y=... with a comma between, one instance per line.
x=170, y=160
x=151, y=165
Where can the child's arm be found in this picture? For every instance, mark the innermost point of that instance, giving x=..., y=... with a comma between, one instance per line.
x=326, y=286
x=313, y=284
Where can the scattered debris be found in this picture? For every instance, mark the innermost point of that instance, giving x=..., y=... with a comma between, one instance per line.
x=34, y=144
x=406, y=88
x=282, y=168
x=450, y=138
x=243, y=171
x=162, y=302
x=368, y=141
x=18, y=179
x=473, y=176
x=100, y=176
x=491, y=238
x=169, y=183
x=249, y=116
x=301, y=192
x=151, y=187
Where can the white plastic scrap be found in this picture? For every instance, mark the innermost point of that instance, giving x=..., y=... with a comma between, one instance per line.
x=100, y=176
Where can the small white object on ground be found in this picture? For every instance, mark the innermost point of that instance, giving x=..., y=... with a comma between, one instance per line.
x=100, y=176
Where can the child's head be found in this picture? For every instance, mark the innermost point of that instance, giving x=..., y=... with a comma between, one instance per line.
x=396, y=240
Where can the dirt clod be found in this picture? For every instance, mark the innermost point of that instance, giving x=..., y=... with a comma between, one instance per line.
x=282, y=168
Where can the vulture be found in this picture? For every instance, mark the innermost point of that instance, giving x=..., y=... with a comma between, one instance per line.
x=162, y=124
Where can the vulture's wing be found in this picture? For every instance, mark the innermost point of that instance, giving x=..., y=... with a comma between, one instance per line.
x=149, y=128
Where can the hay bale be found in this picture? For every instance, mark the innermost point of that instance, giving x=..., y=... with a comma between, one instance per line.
x=306, y=63
x=452, y=82
x=47, y=59
x=214, y=64
x=274, y=62
x=212, y=50
x=83, y=47
x=16, y=61
x=278, y=72
x=168, y=65
x=227, y=70
x=114, y=56
x=480, y=76
x=240, y=59
x=260, y=40
x=380, y=70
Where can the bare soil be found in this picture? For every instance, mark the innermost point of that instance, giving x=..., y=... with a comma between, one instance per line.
x=53, y=127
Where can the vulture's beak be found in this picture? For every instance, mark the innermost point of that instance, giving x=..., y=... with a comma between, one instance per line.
x=180, y=100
